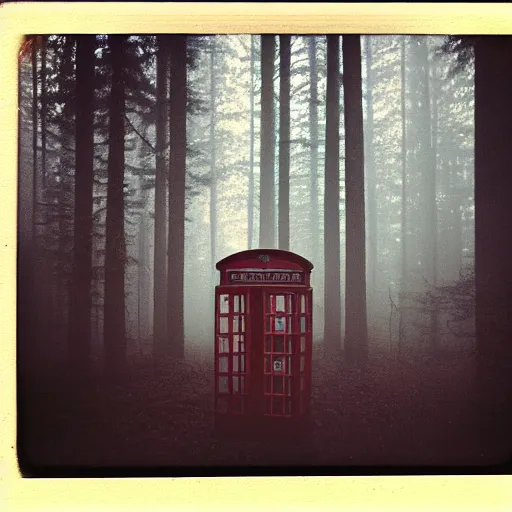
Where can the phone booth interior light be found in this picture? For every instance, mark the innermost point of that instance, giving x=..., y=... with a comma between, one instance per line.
x=263, y=343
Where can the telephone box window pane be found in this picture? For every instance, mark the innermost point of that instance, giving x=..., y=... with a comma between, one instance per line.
x=223, y=364
x=280, y=324
x=277, y=405
x=235, y=364
x=238, y=343
x=236, y=303
x=242, y=364
x=222, y=405
x=288, y=406
x=268, y=343
x=288, y=385
x=242, y=303
x=267, y=323
x=303, y=343
x=290, y=303
x=223, y=344
x=302, y=324
x=223, y=384
x=278, y=385
x=235, y=384
x=280, y=303
x=223, y=324
x=302, y=363
x=277, y=364
x=279, y=344
x=289, y=345
x=267, y=363
x=236, y=324
x=302, y=303
x=268, y=384
x=243, y=324
x=289, y=324
x=242, y=384
x=289, y=365
x=224, y=303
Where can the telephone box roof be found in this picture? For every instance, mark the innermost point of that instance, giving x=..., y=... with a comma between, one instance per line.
x=272, y=253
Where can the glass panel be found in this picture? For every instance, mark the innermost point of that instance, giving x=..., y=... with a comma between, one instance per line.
x=243, y=324
x=277, y=405
x=288, y=406
x=280, y=324
x=280, y=303
x=223, y=344
x=277, y=364
x=224, y=303
x=222, y=405
x=268, y=384
x=303, y=343
x=268, y=328
x=267, y=363
x=268, y=343
x=289, y=365
x=223, y=324
x=289, y=323
x=235, y=364
x=269, y=304
x=238, y=343
x=242, y=303
x=236, y=323
x=235, y=384
x=302, y=363
x=288, y=385
x=278, y=385
x=242, y=384
x=290, y=303
x=223, y=384
x=302, y=303
x=302, y=324
x=279, y=344
x=236, y=303
x=289, y=345
x=223, y=364
x=242, y=364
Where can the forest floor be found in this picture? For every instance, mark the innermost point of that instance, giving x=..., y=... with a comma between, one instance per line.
x=416, y=412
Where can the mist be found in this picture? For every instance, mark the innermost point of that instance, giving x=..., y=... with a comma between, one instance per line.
x=145, y=160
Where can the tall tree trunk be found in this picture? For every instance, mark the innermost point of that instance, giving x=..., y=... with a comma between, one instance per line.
x=44, y=102
x=213, y=177
x=403, y=215
x=356, y=337
x=250, y=198
x=332, y=288
x=370, y=170
x=114, y=316
x=177, y=168
x=432, y=210
x=493, y=209
x=284, y=142
x=80, y=299
x=267, y=151
x=160, y=337
x=34, y=144
x=313, y=137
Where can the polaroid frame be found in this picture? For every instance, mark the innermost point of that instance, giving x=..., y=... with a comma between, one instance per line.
x=347, y=493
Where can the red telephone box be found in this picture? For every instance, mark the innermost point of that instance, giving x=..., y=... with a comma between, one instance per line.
x=263, y=343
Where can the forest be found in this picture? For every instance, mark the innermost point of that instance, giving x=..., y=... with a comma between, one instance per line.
x=145, y=160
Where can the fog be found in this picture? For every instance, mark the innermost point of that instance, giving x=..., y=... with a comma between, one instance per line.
x=416, y=152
